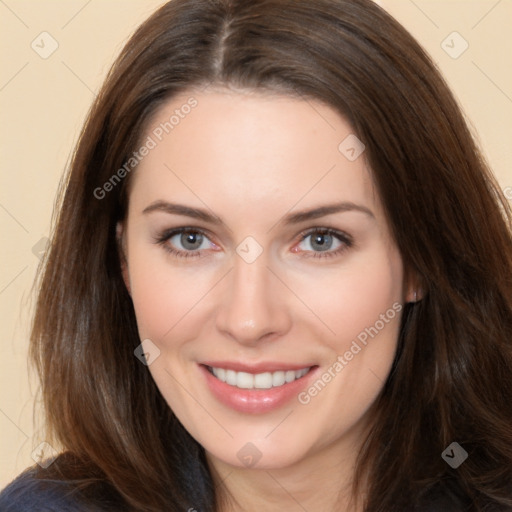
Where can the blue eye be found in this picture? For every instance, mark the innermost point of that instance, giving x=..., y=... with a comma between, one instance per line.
x=189, y=240
x=185, y=242
x=324, y=242
x=192, y=242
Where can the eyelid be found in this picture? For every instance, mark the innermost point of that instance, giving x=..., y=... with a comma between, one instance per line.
x=346, y=240
x=163, y=237
x=340, y=235
x=169, y=233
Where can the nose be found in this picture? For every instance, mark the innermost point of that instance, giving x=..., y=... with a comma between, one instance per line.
x=253, y=305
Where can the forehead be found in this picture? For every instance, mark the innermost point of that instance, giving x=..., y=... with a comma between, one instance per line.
x=250, y=150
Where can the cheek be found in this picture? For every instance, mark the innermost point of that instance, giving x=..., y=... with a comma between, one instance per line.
x=164, y=296
x=357, y=296
x=362, y=305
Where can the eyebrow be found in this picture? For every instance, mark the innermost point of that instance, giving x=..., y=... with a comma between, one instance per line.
x=186, y=211
x=322, y=211
x=293, y=218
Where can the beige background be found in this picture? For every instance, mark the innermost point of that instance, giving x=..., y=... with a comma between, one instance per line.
x=43, y=102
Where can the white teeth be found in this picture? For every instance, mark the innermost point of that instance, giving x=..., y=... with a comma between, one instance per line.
x=244, y=380
x=278, y=379
x=290, y=376
x=221, y=374
x=230, y=377
x=264, y=380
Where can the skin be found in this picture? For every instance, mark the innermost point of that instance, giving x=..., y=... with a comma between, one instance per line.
x=251, y=159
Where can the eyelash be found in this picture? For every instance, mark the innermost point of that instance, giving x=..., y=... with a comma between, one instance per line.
x=344, y=238
x=163, y=238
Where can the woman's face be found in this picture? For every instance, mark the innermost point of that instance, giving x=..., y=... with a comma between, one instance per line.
x=265, y=281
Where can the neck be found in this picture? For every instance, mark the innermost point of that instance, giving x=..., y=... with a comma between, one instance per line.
x=322, y=481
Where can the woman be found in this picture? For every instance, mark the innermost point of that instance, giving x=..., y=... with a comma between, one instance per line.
x=281, y=277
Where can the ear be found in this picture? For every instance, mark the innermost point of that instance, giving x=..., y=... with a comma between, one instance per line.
x=121, y=250
x=414, y=288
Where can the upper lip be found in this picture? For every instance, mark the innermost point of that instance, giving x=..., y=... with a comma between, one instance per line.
x=261, y=367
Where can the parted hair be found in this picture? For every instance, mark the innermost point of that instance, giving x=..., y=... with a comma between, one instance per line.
x=451, y=380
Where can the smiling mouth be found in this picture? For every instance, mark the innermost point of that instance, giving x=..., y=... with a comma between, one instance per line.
x=265, y=380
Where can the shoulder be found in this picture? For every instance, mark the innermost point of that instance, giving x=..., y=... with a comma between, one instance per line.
x=443, y=498
x=27, y=493
x=447, y=496
x=35, y=490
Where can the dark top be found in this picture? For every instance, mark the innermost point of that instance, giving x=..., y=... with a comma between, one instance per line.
x=27, y=493
x=32, y=493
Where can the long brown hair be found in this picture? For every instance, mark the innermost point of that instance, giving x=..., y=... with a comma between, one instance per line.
x=452, y=377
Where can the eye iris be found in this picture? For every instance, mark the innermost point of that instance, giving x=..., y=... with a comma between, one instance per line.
x=191, y=241
x=321, y=242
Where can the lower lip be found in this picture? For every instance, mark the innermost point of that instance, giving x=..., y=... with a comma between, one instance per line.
x=255, y=401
